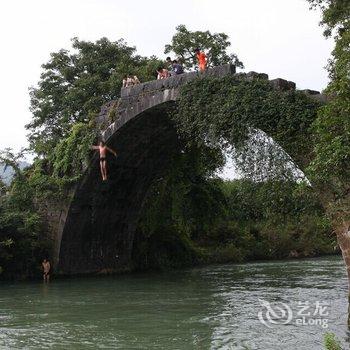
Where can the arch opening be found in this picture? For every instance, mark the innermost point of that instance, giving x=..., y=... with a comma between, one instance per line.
x=102, y=218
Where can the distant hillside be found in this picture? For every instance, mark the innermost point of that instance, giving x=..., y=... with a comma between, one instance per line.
x=7, y=175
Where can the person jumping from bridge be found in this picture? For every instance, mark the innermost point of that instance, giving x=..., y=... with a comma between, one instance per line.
x=103, y=149
x=202, y=59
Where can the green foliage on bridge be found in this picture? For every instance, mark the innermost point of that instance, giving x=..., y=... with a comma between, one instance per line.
x=225, y=113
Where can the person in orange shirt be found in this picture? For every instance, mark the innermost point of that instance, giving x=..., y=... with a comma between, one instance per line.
x=202, y=59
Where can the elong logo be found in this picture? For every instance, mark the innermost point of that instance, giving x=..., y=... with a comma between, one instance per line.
x=282, y=314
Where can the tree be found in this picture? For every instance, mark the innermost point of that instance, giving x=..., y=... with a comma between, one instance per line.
x=184, y=42
x=23, y=242
x=335, y=14
x=331, y=165
x=74, y=86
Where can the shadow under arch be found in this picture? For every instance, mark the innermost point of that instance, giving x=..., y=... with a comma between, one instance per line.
x=98, y=232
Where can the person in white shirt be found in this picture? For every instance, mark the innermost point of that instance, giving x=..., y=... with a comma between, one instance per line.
x=162, y=73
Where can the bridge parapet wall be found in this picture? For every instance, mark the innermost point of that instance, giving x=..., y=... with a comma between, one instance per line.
x=138, y=98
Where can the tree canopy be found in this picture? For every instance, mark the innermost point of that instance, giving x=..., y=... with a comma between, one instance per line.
x=225, y=112
x=335, y=14
x=75, y=84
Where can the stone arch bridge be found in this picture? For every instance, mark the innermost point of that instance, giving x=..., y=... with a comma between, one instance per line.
x=94, y=233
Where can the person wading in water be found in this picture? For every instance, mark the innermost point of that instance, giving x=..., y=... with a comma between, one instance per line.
x=46, y=270
x=103, y=149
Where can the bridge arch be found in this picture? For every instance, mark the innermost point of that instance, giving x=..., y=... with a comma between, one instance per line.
x=98, y=231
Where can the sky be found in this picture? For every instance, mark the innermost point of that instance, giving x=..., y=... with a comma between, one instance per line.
x=279, y=37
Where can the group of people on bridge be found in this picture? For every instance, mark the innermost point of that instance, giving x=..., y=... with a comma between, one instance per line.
x=170, y=68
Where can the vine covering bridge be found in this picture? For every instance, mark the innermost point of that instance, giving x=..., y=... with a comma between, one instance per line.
x=95, y=231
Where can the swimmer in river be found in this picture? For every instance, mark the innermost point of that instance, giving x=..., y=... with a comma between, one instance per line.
x=103, y=149
x=46, y=270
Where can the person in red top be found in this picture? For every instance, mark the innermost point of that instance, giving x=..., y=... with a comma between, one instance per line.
x=202, y=59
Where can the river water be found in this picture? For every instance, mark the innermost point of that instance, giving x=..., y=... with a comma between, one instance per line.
x=215, y=307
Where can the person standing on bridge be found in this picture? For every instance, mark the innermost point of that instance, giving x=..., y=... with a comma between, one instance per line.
x=103, y=149
x=177, y=68
x=130, y=80
x=202, y=60
x=169, y=63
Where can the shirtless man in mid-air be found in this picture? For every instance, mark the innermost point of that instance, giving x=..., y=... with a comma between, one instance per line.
x=103, y=149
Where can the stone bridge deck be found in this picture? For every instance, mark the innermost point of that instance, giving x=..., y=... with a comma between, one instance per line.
x=138, y=98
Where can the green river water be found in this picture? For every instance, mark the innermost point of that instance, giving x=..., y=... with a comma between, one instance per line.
x=215, y=307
